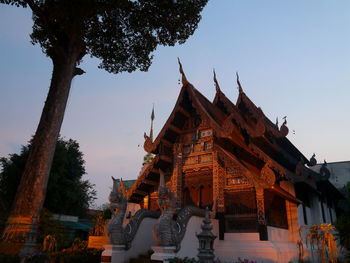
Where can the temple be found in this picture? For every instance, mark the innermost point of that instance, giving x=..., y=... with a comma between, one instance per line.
x=231, y=158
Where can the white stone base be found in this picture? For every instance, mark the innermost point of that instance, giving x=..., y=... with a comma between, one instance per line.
x=113, y=254
x=163, y=253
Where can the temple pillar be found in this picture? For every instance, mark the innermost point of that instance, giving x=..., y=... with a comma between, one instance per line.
x=218, y=185
x=262, y=228
x=218, y=194
x=292, y=216
x=176, y=179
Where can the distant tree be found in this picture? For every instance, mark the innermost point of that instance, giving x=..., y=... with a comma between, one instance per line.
x=67, y=191
x=122, y=33
x=343, y=222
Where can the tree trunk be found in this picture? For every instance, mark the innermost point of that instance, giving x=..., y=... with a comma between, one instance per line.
x=31, y=192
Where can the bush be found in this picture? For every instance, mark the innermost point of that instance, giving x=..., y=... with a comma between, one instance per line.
x=4, y=258
x=89, y=255
x=37, y=258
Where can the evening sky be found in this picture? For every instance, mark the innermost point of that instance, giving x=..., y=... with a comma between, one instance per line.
x=293, y=58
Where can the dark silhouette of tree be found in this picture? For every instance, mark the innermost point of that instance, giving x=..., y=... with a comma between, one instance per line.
x=67, y=192
x=122, y=33
x=343, y=222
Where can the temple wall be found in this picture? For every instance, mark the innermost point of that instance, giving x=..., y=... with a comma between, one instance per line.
x=190, y=244
x=278, y=234
x=260, y=251
x=315, y=209
x=243, y=245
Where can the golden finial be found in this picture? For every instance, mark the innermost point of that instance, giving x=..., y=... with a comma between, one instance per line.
x=239, y=83
x=217, y=87
x=184, y=79
x=152, y=118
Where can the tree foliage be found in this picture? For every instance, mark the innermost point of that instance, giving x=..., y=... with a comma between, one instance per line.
x=67, y=192
x=343, y=222
x=122, y=33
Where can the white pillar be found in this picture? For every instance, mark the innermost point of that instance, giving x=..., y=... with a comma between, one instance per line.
x=163, y=253
x=113, y=254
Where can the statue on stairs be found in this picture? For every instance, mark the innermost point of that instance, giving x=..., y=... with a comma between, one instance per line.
x=118, y=205
x=164, y=230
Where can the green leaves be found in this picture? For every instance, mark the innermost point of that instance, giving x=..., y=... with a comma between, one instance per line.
x=67, y=192
x=125, y=37
x=123, y=34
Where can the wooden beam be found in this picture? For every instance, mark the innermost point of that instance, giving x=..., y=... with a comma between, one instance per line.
x=165, y=158
x=184, y=112
x=175, y=129
x=167, y=143
x=150, y=182
x=155, y=171
x=140, y=192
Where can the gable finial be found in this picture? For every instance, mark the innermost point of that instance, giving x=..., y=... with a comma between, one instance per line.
x=152, y=118
x=239, y=83
x=184, y=79
x=217, y=87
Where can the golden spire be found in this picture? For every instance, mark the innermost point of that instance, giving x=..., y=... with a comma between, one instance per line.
x=151, y=130
x=184, y=79
x=217, y=87
x=239, y=83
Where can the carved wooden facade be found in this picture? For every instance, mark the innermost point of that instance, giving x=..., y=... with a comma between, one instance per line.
x=227, y=156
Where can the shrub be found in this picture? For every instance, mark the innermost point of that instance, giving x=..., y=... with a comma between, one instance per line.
x=321, y=237
x=5, y=258
x=89, y=255
x=50, y=243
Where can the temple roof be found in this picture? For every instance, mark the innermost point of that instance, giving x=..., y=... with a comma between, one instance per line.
x=241, y=126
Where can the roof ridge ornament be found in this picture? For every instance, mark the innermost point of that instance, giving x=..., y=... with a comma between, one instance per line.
x=239, y=83
x=313, y=160
x=284, y=129
x=184, y=79
x=217, y=86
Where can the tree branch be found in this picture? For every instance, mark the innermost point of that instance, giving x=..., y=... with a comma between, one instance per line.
x=46, y=24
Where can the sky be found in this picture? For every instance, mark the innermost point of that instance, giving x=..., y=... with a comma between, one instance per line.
x=293, y=58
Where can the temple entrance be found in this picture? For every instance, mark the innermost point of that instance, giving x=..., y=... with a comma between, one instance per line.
x=241, y=212
x=199, y=196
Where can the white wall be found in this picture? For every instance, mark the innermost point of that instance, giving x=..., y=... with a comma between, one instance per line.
x=243, y=245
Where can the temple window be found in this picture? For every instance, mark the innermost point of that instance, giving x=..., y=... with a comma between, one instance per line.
x=275, y=210
x=303, y=196
x=241, y=211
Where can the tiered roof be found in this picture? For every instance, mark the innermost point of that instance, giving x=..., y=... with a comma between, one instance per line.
x=242, y=130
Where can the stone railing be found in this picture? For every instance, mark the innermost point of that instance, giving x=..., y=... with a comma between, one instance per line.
x=131, y=228
x=181, y=222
